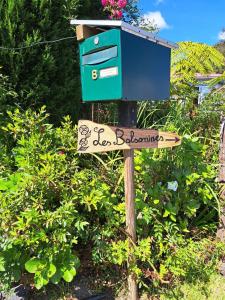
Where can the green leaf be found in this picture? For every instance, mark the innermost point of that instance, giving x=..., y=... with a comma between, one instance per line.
x=3, y=185
x=56, y=277
x=172, y=217
x=2, y=268
x=2, y=264
x=69, y=274
x=76, y=263
x=33, y=265
x=166, y=214
x=16, y=275
x=40, y=279
x=51, y=270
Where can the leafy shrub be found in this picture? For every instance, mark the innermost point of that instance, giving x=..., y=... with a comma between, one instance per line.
x=54, y=203
x=7, y=95
x=165, y=217
x=43, y=193
x=197, y=260
x=176, y=199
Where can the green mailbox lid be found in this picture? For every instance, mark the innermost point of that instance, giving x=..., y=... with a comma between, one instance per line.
x=101, y=41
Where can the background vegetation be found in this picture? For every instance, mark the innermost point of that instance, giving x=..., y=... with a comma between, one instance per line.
x=60, y=210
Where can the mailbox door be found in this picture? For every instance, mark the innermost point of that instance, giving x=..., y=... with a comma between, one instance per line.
x=101, y=72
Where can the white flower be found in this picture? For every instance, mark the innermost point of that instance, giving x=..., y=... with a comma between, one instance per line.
x=139, y=216
x=172, y=185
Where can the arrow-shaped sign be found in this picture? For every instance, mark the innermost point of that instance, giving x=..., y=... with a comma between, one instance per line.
x=176, y=139
x=93, y=137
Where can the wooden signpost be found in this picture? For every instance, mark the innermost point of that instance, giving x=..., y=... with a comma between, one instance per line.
x=93, y=137
x=111, y=73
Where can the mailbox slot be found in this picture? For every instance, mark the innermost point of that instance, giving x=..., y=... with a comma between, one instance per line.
x=100, y=56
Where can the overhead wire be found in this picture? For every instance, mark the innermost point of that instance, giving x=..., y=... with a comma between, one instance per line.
x=36, y=44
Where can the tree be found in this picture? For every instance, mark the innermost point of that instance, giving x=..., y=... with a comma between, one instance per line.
x=6, y=93
x=132, y=12
x=45, y=73
x=191, y=58
x=221, y=48
x=221, y=45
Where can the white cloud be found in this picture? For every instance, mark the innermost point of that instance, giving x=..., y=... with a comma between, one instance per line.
x=157, y=2
x=221, y=35
x=156, y=18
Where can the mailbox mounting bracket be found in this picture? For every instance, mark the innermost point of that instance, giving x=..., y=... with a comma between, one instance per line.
x=84, y=31
x=127, y=113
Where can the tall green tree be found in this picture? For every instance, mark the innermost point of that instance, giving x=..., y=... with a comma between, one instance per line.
x=45, y=73
x=191, y=58
x=6, y=94
x=220, y=46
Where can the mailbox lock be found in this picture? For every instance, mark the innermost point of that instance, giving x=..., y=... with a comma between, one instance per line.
x=96, y=40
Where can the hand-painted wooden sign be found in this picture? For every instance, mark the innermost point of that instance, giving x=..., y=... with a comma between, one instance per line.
x=93, y=137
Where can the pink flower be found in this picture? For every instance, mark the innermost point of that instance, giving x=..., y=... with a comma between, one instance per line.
x=117, y=14
x=61, y=153
x=122, y=3
x=114, y=7
x=104, y=2
x=112, y=2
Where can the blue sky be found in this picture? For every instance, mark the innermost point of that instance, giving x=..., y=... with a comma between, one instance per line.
x=187, y=20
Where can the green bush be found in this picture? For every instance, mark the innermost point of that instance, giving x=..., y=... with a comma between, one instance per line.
x=198, y=260
x=176, y=194
x=7, y=96
x=56, y=203
x=45, y=199
x=165, y=217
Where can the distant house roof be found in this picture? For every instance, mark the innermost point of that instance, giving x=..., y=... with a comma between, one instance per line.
x=220, y=90
x=204, y=77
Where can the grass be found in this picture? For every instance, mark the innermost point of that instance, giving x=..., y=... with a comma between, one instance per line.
x=214, y=289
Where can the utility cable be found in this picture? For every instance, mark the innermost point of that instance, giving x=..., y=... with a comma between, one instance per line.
x=37, y=43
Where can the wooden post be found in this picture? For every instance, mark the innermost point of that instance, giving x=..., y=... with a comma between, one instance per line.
x=127, y=118
x=130, y=218
x=221, y=179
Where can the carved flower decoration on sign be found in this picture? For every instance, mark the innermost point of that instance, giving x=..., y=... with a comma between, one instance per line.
x=83, y=130
x=86, y=133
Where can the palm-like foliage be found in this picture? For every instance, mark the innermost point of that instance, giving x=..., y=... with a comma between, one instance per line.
x=191, y=58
